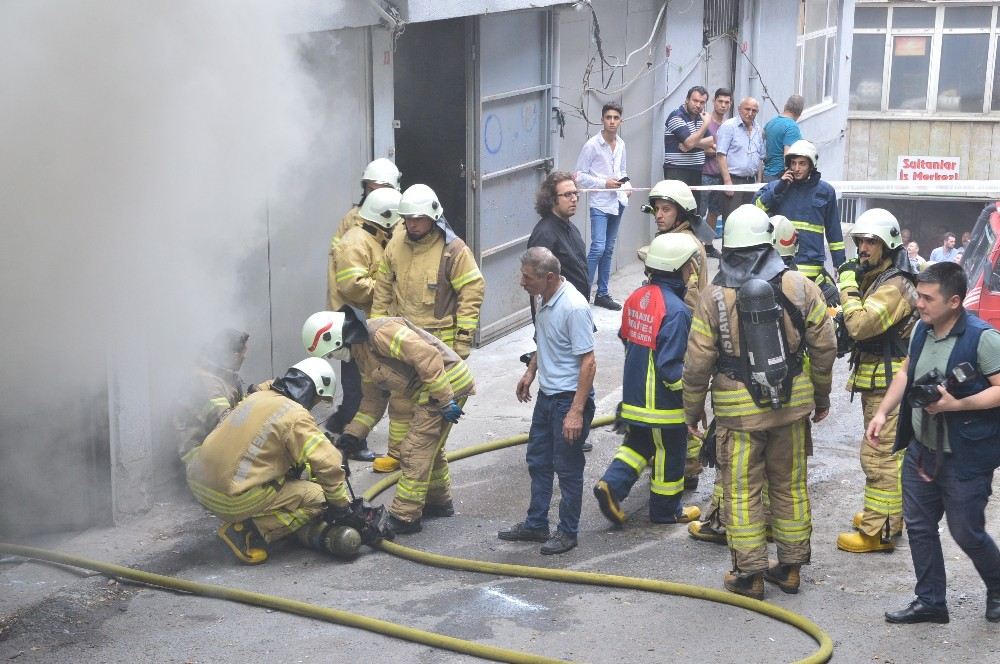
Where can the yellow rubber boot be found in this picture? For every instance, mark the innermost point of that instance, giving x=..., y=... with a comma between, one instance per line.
x=610, y=508
x=858, y=542
x=240, y=539
x=385, y=464
x=689, y=513
x=858, y=518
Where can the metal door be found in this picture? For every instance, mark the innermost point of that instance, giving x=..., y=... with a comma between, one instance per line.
x=513, y=154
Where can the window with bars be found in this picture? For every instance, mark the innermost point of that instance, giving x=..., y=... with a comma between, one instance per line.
x=816, y=50
x=721, y=17
x=914, y=59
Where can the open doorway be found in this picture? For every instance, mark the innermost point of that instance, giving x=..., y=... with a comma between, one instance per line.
x=431, y=79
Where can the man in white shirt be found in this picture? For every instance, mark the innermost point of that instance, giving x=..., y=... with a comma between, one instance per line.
x=601, y=165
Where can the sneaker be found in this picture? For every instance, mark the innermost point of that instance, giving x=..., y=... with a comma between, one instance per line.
x=444, y=510
x=748, y=585
x=560, y=542
x=785, y=577
x=244, y=541
x=705, y=531
x=521, y=533
x=607, y=302
x=691, y=483
x=608, y=504
x=587, y=447
x=400, y=527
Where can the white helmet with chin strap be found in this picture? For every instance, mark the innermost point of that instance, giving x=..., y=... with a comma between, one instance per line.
x=419, y=200
x=878, y=223
x=670, y=251
x=381, y=208
x=802, y=148
x=674, y=191
x=321, y=374
x=382, y=171
x=747, y=226
x=323, y=336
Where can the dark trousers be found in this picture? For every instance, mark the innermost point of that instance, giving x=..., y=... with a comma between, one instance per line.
x=350, y=382
x=549, y=454
x=963, y=500
x=664, y=450
x=690, y=177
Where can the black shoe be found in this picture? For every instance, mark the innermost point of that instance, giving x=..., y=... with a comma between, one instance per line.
x=587, y=447
x=993, y=605
x=560, y=542
x=691, y=483
x=607, y=302
x=917, y=612
x=521, y=533
x=400, y=527
x=364, y=454
x=444, y=510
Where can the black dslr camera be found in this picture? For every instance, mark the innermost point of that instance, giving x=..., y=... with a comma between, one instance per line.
x=924, y=390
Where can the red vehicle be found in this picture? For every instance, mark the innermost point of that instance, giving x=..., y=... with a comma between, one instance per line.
x=982, y=267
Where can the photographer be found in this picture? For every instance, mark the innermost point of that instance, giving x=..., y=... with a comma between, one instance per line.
x=951, y=440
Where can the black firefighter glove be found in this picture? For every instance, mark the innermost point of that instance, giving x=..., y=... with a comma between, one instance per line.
x=620, y=426
x=371, y=522
x=348, y=444
x=708, y=455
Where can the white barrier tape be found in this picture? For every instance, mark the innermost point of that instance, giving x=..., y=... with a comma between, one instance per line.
x=973, y=188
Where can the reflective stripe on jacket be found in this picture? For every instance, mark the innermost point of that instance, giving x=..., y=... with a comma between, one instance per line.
x=811, y=206
x=214, y=393
x=353, y=265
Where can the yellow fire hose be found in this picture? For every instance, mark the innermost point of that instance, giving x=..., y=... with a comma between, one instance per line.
x=822, y=654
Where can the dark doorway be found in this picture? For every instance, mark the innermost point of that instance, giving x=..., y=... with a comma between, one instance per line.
x=430, y=107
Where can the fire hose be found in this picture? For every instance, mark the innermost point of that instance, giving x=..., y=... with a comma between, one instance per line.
x=432, y=639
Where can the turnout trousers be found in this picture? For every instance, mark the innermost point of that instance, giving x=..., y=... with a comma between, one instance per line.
x=751, y=460
x=666, y=448
x=276, y=510
x=425, y=476
x=882, y=468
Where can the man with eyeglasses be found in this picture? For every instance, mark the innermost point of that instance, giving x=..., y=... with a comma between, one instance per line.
x=556, y=203
x=740, y=152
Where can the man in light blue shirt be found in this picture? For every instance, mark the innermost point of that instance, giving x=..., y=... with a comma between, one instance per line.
x=560, y=423
x=947, y=250
x=739, y=147
x=602, y=165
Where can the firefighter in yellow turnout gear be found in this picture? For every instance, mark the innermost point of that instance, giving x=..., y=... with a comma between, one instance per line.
x=674, y=210
x=878, y=300
x=247, y=472
x=429, y=277
x=398, y=361
x=655, y=326
x=748, y=335
x=378, y=174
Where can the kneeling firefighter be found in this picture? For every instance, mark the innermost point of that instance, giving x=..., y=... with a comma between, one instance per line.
x=750, y=331
x=249, y=471
x=879, y=299
x=399, y=360
x=655, y=327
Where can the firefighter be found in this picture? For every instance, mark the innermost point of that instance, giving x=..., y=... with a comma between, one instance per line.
x=750, y=330
x=674, y=209
x=655, y=326
x=378, y=174
x=811, y=204
x=247, y=472
x=428, y=276
x=400, y=361
x=878, y=298
x=216, y=391
x=785, y=240
x=354, y=264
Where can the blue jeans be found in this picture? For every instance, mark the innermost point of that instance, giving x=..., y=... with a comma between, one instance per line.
x=549, y=454
x=603, y=234
x=964, y=503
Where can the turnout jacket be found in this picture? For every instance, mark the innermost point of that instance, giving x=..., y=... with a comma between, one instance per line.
x=347, y=222
x=655, y=326
x=879, y=319
x=811, y=206
x=400, y=359
x=434, y=283
x=699, y=278
x=353, y=265
x=264, y=438
x=715, y=326
x=215, y=392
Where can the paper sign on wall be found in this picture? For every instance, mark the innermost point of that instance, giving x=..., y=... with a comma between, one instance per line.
x=910, y=167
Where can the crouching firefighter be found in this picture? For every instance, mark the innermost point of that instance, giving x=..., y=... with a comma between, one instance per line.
x=249, y=472
x=749, y=334
x=399, y=360
x=655, y=326
x=878, y=299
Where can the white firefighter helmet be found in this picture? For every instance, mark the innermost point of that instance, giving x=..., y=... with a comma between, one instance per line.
x=674, y=191
x=380, y=207
x=321, y=374
x=746, y=226
x=802, y=148
x=877, y=223
x=786, y=238
x=670, y=251
x=382, y=171
x=419, y=200
x=323, y=336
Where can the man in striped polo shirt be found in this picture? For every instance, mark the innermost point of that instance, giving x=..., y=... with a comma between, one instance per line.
x=685, y=138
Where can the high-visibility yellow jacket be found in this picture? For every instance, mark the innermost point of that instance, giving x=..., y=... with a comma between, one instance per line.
x=353, y=265
x=699, y=278
x=732, y=402
x=252, y=451
x=400, y=359
x=215, y=391
x=885, y=303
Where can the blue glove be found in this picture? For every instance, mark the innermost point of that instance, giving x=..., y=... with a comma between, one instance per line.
x=452, y=412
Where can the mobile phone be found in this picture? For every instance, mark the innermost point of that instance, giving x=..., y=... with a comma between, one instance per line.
x=623, y=180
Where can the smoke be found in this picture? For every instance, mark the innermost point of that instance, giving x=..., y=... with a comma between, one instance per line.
x=140, y=145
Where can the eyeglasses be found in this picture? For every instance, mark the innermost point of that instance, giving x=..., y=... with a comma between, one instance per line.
x=569, y=195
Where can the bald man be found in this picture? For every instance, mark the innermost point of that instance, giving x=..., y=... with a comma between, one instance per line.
x=740, y=151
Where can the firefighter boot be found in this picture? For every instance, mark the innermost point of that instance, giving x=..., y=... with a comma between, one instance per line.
x=859, y=542
x=785, y=577
x=706, y=531
x=608, y=504
x=244, y=541
x=385, y=464
x=860, y=516
x=748, y=585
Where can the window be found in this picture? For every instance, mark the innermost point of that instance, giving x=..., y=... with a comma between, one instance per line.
x=918, y=60
x=816, y=51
